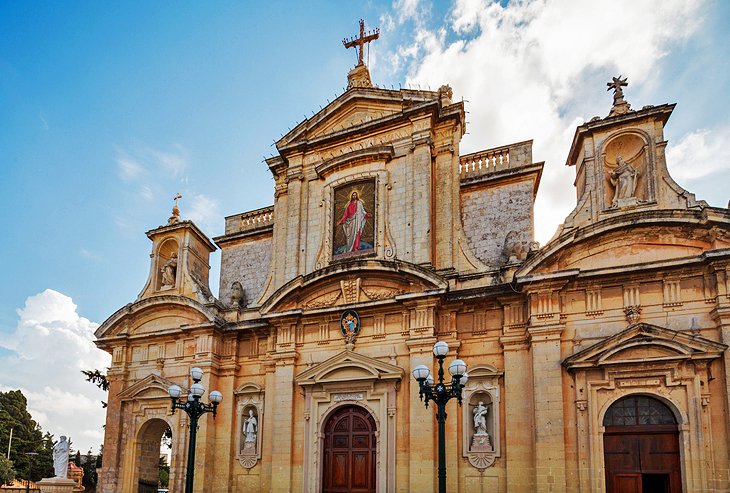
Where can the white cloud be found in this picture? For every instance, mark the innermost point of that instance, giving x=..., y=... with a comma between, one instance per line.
x=699, y=154
x=528, y=69
x=129, y=168
x=50, y=346
x=205, y=213
x=171, y=162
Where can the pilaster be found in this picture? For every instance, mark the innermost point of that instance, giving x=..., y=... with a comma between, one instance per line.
x=282, y=421
x=519, y=442
x=548, y=408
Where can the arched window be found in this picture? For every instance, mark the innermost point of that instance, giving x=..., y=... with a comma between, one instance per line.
x=638, y=411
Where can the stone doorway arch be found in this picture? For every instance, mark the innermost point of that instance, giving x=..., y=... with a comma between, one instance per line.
x=350, y=451
x=641, y=446
x=147, y=455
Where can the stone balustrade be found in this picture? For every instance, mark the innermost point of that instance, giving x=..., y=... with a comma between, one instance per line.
x=250, y=221
x=496, y=159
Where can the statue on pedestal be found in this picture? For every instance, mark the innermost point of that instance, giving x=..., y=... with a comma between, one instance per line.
x=623, y=178
x=60, y=458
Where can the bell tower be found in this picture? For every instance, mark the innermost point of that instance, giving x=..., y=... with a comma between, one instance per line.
x=180, y=260
x=620, y=163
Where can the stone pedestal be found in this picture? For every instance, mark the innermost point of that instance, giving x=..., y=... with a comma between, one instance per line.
x=481, y=443
x=57, y=485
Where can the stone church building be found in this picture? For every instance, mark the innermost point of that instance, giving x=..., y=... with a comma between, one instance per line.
x=601, y=357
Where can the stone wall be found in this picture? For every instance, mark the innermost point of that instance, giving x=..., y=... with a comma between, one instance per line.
x=248, y=263
x=488, y=214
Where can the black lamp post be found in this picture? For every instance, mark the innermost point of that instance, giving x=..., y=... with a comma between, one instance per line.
x=195, y=409
x=31, y=456
x=441, y=393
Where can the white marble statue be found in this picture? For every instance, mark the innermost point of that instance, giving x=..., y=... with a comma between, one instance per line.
x=60, y=458
x=480, y=419
x=250, y=427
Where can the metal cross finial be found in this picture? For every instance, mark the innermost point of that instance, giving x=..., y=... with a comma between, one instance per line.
x=359, y=42
x=176, y=198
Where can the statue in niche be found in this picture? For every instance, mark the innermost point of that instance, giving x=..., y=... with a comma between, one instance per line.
x=250, y=429
x=237, y=297
x=169, y=273
x=480, y=441
x=623, y=178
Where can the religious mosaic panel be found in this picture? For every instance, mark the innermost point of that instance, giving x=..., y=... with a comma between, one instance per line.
x=354, y=219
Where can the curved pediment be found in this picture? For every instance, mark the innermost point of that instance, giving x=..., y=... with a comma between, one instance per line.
x=352, y=283
x=348, y=366
x=150, y=387
x=634, y=239
x=644, y=343
x=155, y=314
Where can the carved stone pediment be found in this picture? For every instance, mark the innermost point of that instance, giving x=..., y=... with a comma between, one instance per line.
x=353, y=110
x=348, y=366
x=352, y=283
x=153, y=315
x=150, y=387
x=644, y=343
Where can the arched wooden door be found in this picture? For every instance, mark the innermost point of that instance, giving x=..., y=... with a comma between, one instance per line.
x=349, y=452
x=641, y=447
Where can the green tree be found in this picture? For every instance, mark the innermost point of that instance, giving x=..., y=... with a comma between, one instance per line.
x=164, y=472
x=90, y=478
x=27, y=437
x=7, y=473
x=99, y=379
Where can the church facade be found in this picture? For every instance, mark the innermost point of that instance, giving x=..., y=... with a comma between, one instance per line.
x=596, y=363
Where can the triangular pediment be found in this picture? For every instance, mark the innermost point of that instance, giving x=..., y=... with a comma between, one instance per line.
x=644, y=343
x=355, y=109
x=150, y=387
x=349, y=366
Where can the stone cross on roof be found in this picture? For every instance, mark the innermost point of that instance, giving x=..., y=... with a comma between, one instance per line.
x=360, y=42
x=619, y=105
x=175, y=218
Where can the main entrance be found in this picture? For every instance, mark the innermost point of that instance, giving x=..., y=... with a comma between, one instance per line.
x=641, y=447
x=349, y=452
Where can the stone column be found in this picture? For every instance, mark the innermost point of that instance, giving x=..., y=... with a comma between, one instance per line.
x=421, y=222
x=282, y=421
x=445, y=199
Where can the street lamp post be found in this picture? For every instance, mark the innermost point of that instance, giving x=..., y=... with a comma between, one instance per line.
x=31, y=456
x=195, y=409
x=441, y=393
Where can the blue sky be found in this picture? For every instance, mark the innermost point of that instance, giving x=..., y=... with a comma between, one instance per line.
x=107, y=109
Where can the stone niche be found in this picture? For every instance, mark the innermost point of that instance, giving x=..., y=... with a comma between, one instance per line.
x=628, y=176
x=249, y=410
x=481, y=416
x=167, y=265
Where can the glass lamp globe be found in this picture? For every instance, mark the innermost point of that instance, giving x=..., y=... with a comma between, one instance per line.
x=440, y=349
x=457, y=367
x=190, y=396
x=196, y=373
x=464, y=378
x=197, y=389
x=429, y=380
x=420, y=373
x=215, y=397
x=174, y=391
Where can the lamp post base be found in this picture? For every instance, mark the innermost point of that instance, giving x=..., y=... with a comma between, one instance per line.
x=57, y=485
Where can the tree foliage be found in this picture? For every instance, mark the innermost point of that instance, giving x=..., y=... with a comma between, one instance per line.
x=99, y=379
x=7, y=473
x=27, y=437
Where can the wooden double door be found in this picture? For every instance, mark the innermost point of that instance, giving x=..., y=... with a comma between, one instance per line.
x=349, y=452
x=642, y=459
